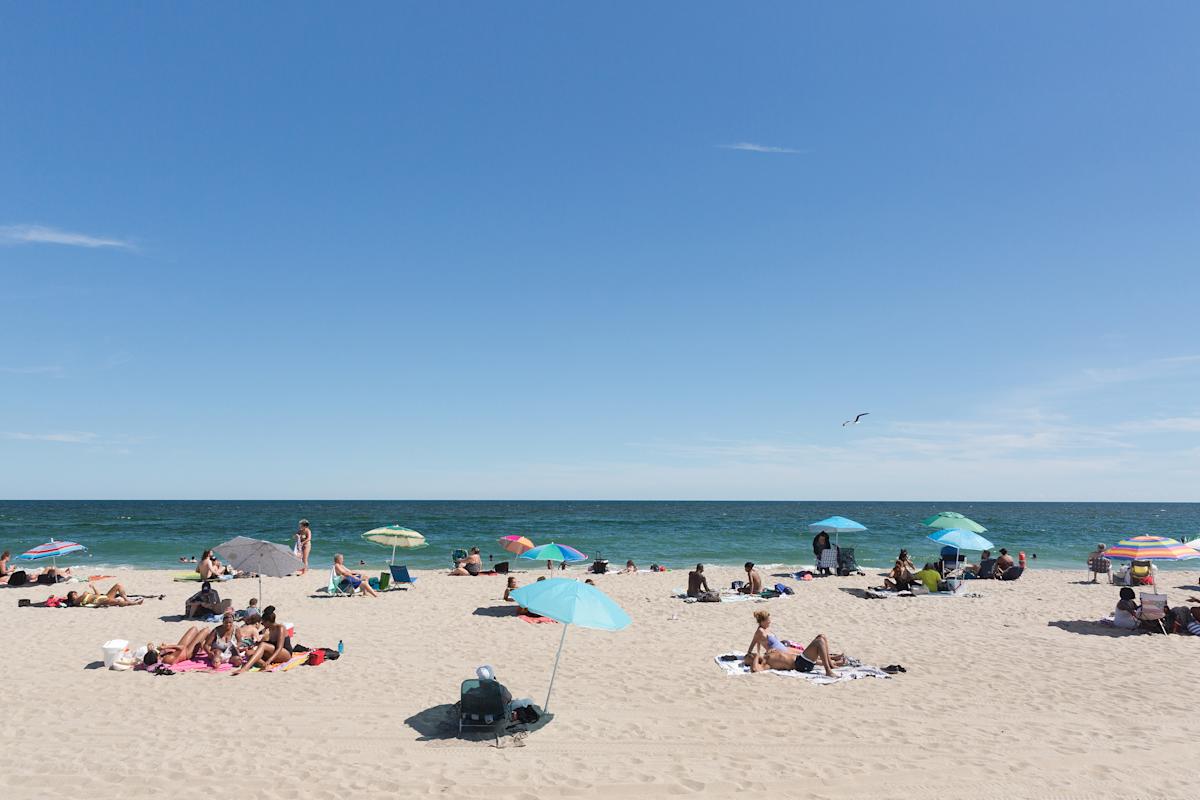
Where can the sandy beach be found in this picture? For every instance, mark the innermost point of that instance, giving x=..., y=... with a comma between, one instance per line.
x=1012, y=694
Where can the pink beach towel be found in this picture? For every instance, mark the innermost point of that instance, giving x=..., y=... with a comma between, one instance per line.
x=538, y=620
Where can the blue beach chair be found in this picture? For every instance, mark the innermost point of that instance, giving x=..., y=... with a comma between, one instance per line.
x=400, y=574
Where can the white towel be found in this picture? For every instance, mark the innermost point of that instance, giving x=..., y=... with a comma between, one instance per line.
x=852, y=672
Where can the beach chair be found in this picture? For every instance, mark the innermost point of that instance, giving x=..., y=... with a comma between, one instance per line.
x=1098, y=566
x=482, y=704
x=457, y=556
x=828, y=560
x=986, y=568
x=1154, y=609
x=400, y=575
x=1140, y=573
x=335, y=587
x=846, y=565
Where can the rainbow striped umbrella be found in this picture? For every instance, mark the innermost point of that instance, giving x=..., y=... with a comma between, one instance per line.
x=53, y=550
x=1150, y=548
x=554, y=552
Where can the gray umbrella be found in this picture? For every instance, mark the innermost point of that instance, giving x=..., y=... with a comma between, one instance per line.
x=264, y=558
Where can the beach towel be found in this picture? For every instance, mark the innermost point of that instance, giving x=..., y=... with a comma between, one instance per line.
x=854, y=670
x=193, y=665
x=537, y=620
x=887, y=594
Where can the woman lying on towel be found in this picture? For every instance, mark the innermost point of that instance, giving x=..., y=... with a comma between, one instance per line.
x=92, y=597
x=275, y=647
x=170, y=653
x=768, y=652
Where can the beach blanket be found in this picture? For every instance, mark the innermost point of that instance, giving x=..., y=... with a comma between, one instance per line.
x=887, y=594
x=537, y=620
x=194, y=665
x=854, y=670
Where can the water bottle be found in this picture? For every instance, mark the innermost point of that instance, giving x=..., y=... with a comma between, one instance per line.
x=341, y=647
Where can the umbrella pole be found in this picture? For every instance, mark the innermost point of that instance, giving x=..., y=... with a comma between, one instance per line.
x=562, y=640
x=260, y=597
x=393, y=561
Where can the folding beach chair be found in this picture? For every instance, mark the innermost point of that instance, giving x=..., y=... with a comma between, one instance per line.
x=336, y=587
x=457, y=556
x=828, y=560
x=400, y=575
x=987, y=568
x=483, y=704
x=846, y=565
x=1154, y=609
x=1098, y=566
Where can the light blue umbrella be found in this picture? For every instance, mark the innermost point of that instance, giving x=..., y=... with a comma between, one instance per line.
x=553, y=552
x=960, y=539
x=571, y=602
x=836, y=526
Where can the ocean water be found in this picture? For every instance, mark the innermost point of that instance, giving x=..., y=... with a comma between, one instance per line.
x=154, y=534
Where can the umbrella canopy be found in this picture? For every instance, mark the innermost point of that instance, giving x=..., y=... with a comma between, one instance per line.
x=836, y=525
x=961, y=539
x=395, y=536
x=515, y=544
x=571, y=602
x=553, y=552
x=1194, y=544
x=1151, y=548
x=265, y=558
x=953, y=519
x=51, y=549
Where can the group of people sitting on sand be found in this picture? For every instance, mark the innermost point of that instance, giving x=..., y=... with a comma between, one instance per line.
x=48, y=576
x=904, y=575
x=254, y=640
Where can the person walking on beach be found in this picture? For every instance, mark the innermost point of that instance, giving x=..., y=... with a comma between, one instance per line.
x=304, y=543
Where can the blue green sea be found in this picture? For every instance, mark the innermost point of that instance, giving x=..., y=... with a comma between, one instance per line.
x=155, y=534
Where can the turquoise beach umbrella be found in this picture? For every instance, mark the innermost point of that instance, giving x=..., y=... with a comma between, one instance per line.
x=571, y=602
x=836, y=526
x=961, y=539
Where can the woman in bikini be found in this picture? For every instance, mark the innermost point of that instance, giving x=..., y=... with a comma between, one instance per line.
x=304, y=543
x=275, y=647
x=92, y=597
x=222, y=643
x=767, y=651
x=172, y=653
x=471, y=565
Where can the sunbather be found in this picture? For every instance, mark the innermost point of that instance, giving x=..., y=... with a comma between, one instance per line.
x=172, y=653
x=92, y=597
x=697, y=583
x=354, y=580
x=929, y=577
x=767, y=651
x=753, y=583
x=275, y=647
x=222, y=643
x=901, y=576
x=210, y=567
x=1003, y=562
x=471, y=565
x=629, y=567
x=975, y=569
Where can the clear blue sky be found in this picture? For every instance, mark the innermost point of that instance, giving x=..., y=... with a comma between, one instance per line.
x=545, y=250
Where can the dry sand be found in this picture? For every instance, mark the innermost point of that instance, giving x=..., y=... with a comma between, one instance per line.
x=1006, y=695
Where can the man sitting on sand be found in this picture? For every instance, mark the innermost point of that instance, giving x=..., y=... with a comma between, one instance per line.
x=1002, y=563
x=697, y=583
x=929, y=577
x=203, y=603
x=354, y=580
x=753, y=583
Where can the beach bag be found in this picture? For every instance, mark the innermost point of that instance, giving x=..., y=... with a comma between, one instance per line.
x=781, y=589
x=737, y=584
x=18, y=578
x=709, y=597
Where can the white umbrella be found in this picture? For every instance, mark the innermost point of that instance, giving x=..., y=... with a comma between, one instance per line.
x=264, y=558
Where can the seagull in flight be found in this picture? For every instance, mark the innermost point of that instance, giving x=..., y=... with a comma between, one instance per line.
x=855, y=420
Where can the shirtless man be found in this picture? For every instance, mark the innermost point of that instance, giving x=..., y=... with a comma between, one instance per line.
x=753, y=580
x=697, y=583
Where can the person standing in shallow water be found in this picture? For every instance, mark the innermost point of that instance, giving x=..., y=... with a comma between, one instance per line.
x=304, y=543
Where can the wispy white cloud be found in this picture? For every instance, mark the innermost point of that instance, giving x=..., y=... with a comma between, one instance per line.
x=64, y=437
x=1164, y=425
x=752, y=147
x=44, y=234
x=47, y=370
